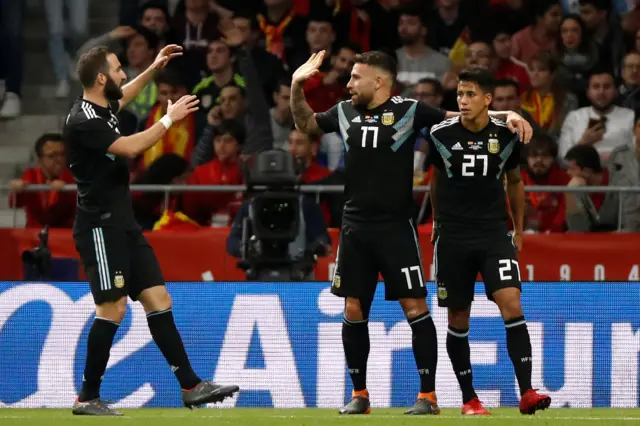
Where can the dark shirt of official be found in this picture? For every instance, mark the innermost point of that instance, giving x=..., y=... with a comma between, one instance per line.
x=470, y=193
x=379, y=156
x=104, y=199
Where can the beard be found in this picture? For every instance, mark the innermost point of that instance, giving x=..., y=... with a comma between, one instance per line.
x=362, y=100
x=112, y=91
x=538, y=172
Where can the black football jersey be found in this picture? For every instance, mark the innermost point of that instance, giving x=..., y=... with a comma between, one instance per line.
x=470, y=187
x=104, y=199
x=378, y=161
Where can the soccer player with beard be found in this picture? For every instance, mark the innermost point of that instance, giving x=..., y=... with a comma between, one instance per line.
x=471, y=155
x=378, y=234
x=118, y=260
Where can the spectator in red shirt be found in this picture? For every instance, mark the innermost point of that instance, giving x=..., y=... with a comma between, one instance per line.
x=217, y=208
x=545, y=211
x=324, y=90
x=54, y=208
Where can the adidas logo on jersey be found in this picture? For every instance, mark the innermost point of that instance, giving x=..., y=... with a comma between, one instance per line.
x=357, y=120
x=457, y=147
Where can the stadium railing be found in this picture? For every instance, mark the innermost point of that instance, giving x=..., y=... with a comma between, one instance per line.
x=320, y=189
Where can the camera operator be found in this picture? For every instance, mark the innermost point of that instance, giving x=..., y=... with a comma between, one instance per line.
x=294, y=238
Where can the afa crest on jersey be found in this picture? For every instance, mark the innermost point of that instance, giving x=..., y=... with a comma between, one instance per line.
x=388, y=118
x=494, y=146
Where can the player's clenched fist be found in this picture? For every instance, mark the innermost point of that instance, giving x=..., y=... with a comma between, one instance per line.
x=185, y=106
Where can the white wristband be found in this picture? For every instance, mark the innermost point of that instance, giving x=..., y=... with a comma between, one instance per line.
x=166, y=121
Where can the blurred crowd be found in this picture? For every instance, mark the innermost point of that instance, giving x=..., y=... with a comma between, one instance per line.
x=570, y=67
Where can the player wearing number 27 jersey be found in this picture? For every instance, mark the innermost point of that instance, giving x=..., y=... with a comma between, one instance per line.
x=378, y=235
x=472, y=154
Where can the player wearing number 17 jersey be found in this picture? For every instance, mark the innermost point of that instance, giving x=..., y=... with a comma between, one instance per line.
x=378, y=235
x=472, y=154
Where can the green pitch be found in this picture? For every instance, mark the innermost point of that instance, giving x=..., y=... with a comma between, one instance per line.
x=313, y=417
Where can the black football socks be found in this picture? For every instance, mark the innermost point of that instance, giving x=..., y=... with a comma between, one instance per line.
x=425, y=350
x=519, y=346
x=98, y=347
x=460, y=356
x=355, y=340
x=165, y=334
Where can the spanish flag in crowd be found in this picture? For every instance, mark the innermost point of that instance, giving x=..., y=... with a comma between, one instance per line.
x=459, y=50
x=175, y=221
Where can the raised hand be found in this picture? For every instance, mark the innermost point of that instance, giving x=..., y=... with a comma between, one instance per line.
x=185, y=106
x=309, y=68
x=169, y=52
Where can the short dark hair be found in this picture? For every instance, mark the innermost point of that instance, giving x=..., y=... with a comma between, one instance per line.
x=585, y=156
x=232, y=84
x=506, y=82
x=170, y=77
x=414, y=11
x=324, y=17
x=435, y=83
x=246, y=13
x=480, y=76
x=151, y=38
x=600, y=70
x=92, y=63
x=354, y=47
x=378, y=59
x=598, y=4
x=42, y=140
x=282, y=81
x=233, y=128
x=542, y=141
x=152, y=4
x=541, y=7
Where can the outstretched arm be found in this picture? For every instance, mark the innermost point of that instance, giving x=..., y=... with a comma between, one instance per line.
x=514, y=121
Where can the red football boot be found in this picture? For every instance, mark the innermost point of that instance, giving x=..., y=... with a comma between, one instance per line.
x=532, y=401
x=474, y=408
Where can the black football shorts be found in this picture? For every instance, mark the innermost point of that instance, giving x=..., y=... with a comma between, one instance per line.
x=118, y=263
x=458, y=260
x=390, y=249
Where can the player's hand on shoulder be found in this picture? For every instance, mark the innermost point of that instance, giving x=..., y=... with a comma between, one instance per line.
x=183, y=107
x=309, y=68
x=18, y=185
x=516, y=123
x=57, y=185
